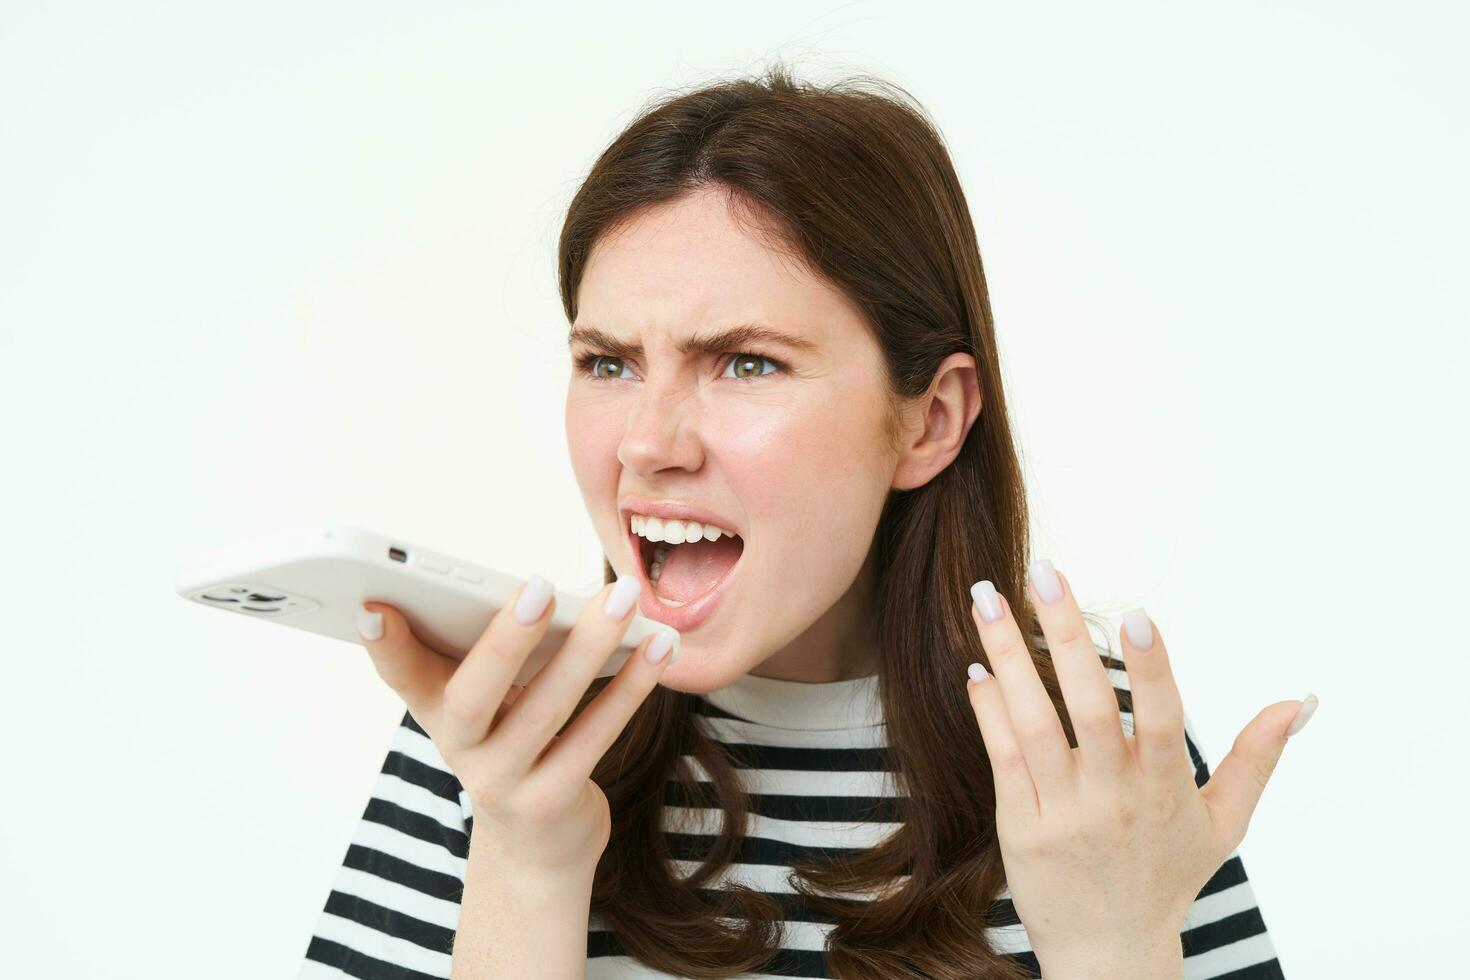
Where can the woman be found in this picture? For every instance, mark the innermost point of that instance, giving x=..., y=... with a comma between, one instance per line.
x=787, y=422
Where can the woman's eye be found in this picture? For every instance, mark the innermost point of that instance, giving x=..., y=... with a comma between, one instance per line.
x=747, y=361
x=746, y=365
x=598, y=369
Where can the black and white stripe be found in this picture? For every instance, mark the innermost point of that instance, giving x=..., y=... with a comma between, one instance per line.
x=814, y=792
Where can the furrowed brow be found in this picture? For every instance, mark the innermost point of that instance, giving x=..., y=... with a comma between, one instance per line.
x=743, y=335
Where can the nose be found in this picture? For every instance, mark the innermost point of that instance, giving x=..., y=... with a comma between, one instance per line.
x=661, y=431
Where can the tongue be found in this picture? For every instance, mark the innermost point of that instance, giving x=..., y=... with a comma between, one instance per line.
x=692, y=569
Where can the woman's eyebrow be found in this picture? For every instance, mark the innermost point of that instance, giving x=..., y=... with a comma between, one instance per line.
x=734, y=338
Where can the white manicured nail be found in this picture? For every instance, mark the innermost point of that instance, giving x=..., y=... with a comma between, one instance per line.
x=1140, y=630
x=533, y=601
x=983, y=592
x=1044, y=577
x=1303, y=715
x=369, y=624
x=623, y=593
x=659, y=646
x=978, y=672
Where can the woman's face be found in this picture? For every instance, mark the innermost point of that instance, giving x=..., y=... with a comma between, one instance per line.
x=790, y=451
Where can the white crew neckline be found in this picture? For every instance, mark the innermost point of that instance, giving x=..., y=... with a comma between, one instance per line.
x=823, y=706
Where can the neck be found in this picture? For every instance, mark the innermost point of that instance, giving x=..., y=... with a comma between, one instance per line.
x=841, y=645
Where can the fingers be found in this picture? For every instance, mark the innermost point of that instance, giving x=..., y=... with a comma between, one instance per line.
x=1086, y=688
x=478, y=690
x=1014, y=790
x=1235, y=787
x=1158, y=711
x=598, y=725
x=1033, y=717
x=415, y=672
x=510, y=698
x=555, y=691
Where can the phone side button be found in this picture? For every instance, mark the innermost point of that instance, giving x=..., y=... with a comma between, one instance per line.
x=467, y=574
x=433, y=564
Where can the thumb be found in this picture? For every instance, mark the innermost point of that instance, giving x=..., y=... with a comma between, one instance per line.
x=1235, y=787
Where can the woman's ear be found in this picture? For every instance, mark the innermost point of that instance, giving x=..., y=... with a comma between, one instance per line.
x=935, y=427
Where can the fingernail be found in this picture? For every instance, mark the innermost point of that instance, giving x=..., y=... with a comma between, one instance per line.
x=1044, y=577
x=620, y=599
x=369, y=624
x=1303, y=715
x=660, y=645
x=978, y=672
x=533, y=601
x=983, y=592
x=1140, y=630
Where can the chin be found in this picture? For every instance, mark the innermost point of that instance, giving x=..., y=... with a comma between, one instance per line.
x=703, y=667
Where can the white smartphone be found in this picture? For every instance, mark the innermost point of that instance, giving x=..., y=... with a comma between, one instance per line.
x=315, y=578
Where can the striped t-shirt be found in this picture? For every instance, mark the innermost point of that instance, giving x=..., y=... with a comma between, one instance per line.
x=805, y=752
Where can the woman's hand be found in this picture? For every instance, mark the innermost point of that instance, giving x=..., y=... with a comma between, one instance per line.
x=1107, y=845
x=532, y=792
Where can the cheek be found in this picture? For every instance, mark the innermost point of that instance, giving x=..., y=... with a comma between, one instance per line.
x=592, y=448
x=809, y=480
x=592, y=445
x=784, y=460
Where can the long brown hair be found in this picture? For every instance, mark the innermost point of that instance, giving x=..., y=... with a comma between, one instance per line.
x=854, y=179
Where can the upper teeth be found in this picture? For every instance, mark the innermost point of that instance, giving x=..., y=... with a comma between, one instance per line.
x=676, y=532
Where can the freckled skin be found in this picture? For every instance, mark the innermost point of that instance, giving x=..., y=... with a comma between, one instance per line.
x=795, y=456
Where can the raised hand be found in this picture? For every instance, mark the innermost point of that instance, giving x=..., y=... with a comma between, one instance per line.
x=1107, y=845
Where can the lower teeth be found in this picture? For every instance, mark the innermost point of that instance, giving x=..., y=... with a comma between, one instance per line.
x=653, y=576
x=657, y=569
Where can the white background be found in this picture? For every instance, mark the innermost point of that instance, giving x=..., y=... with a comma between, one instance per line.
x=270, y=262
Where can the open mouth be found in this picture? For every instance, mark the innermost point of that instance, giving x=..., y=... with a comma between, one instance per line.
x=685, y=582
x=683, y=573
